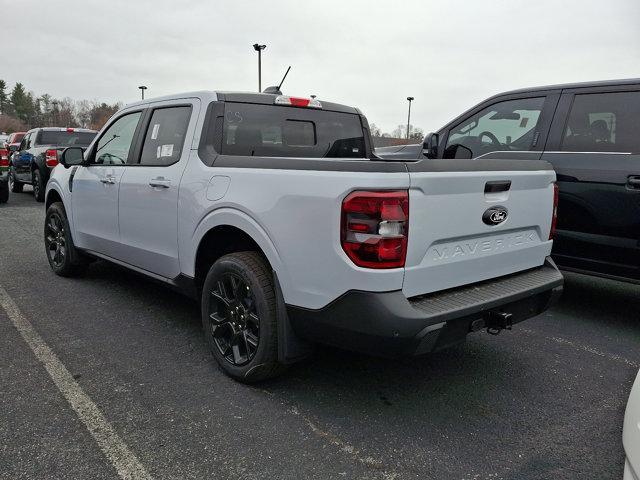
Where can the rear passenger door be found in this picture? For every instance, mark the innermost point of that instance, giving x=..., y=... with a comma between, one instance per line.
x=148, y=202
x=594, y=146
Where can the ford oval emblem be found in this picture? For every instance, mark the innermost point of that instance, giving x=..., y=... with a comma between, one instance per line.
x=495, y=215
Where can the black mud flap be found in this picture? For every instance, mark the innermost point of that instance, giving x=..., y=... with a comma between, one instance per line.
x=291, y=348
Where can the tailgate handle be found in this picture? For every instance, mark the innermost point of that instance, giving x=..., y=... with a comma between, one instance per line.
x=497, y=186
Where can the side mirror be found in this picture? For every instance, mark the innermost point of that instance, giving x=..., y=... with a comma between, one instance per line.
x=430, y=145
x=13, y=148
x=72, y=156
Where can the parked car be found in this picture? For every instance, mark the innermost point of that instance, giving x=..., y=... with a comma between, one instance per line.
x=38, y=153
x=274, y=212
x=4, y=175
x=631, y=434
x=12, y=142
x=589, y=133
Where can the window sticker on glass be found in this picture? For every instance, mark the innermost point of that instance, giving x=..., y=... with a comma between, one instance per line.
x=523, y=122
x=154, y=132
x=167, y=150
x=158, y=151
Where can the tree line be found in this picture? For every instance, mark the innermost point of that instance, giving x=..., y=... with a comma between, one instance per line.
x=21, y=110
x=416, y=134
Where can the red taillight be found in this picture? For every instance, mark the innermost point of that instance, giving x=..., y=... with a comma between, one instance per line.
x=4, y=157
x=554, y=215
x=70, y=130
x=374, y=228
x=51, y=157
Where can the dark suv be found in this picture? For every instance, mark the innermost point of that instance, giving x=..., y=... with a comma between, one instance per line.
x=590, y=133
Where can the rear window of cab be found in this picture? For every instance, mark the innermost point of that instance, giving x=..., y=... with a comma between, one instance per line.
x=244, y=129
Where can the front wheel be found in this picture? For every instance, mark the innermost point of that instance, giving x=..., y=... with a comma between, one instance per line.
x=64, y=258
x=38, y=186
x=239, y=317
x=14, y=184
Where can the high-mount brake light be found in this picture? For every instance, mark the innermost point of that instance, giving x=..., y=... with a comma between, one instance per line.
x=554, y=214
x=70, y=130
x=297, y=101
x=51, y=157
x=374, y=228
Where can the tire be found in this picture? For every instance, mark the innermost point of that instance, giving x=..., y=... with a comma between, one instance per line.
x=239, y=317
x=38, y=186
x=4, y=192
x=64, y=258
x=14, y=184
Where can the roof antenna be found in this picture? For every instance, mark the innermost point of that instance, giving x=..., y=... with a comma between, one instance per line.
x=276, y=90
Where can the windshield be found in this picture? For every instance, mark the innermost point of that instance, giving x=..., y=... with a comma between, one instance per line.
x=65, y=138
x=277, y=131
x=17, y=137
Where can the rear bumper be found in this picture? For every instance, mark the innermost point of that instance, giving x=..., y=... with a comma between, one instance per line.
x=389, y=324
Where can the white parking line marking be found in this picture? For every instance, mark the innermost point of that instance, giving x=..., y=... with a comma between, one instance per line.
x=586, y=348
x=121, y=457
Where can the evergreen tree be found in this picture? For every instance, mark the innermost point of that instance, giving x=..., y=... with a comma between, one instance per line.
x=4, y=99
x=21, y=103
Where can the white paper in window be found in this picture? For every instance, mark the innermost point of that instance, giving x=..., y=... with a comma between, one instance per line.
x=167, y=150
x=154, y=132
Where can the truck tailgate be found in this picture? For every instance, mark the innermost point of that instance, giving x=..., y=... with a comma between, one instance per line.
x=449, y=242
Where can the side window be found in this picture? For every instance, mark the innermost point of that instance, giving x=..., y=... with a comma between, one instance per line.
x=165, y=136
x=114, y=145
x=504, y=126
x=603, y=122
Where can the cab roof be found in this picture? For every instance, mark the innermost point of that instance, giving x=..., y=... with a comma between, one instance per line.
x=241, y=97
x=566, y=86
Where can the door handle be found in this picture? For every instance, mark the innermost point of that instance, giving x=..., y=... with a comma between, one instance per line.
x=633, y=182
x=109, y=179
x=160, y=182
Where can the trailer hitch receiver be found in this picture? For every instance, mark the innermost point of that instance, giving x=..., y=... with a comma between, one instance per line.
x=498, y=321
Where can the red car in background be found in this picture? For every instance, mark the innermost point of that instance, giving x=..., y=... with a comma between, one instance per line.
x=14, y=139
x=7, y=147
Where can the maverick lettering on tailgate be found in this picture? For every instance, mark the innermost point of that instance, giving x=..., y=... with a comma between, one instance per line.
x=481, y=246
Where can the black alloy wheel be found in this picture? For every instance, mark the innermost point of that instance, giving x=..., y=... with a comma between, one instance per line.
x=38, y=186
x=55, y=240
x=233, y=319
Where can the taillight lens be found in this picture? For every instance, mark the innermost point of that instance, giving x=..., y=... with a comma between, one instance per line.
x=51, y=157
x=374, y=228
x=554, y=215
x=4, y=157
x=297, y=101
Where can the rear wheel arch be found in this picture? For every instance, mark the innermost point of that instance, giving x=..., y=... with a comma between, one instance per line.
x=219, y=241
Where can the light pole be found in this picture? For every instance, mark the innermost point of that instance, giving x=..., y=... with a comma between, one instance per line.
x=55, y=113
x=142, y=89
x=258, y=48
x=409, y=116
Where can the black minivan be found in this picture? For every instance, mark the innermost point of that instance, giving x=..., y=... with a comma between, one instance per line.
x=590, y=133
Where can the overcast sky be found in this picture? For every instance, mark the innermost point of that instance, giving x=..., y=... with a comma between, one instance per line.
x=448, y=55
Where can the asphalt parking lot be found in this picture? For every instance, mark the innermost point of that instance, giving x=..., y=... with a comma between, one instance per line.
x=544, y=401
